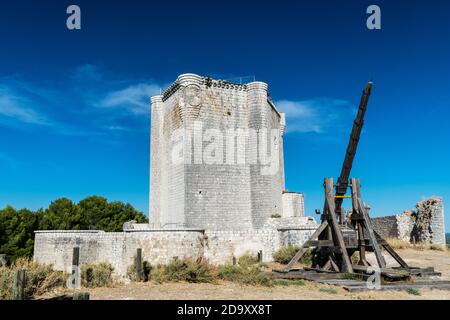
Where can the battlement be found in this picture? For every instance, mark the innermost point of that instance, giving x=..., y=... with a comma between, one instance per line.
x=187, y=79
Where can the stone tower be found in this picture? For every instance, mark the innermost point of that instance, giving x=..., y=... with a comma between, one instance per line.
x=216, y=156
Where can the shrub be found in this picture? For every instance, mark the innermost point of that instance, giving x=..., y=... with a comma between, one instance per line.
x=247, y=271
x=286, y=253
x=355, y=257
x=247, y=260
x=288, y=282
x=96, y=275
x=438, y=247
x=350, y=276
x=39, y=278
x=183, y=270
x=146, y=269
x=244, y=275
x=413, y=291
x=6, y=282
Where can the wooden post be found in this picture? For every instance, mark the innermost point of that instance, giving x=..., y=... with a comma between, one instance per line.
x=75, y=277
x=260, y=256
x=139, y=273
x=234, y=260
x=358, y=224
x=20, y=280
x=2, y=260
x=342, y=216
x=368, y=225
x=81, y=296
x=331, y=210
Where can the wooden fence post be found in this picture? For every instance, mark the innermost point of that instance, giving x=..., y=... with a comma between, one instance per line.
x=260, y=256
x=75, y=277
x=139, y=272
x=20, y=280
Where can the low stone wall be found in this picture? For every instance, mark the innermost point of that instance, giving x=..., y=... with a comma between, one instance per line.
x=116, y=248
x=386, y=227
x=160, y=246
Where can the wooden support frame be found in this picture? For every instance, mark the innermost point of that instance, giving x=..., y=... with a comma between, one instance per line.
x=365, y=223
x=334, y=241
x=303, y=248
x=337, y=233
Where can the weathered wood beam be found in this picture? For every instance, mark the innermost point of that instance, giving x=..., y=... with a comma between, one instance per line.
x=329, y=196
x=367, y=223
x=302, y=249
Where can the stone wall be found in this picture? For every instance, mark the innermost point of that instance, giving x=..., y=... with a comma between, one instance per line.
x=160, y=246
x=293, y=204
x=386, y=227
x=405, y=225
x=425, y=224
x=116, y=248
x=430, y=221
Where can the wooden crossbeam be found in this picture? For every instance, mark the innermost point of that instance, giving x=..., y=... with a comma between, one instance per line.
x=303, y=248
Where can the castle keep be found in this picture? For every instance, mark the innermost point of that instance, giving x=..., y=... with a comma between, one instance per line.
x=217, y=185
x=237, y=186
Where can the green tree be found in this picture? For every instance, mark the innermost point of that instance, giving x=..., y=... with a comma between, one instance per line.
x=17, y=226
x=62, y=214
x=99, y=214
x=17, y=232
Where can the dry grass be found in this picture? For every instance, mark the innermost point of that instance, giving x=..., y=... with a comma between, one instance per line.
x=401, y=244
x=247, y=271
x=183, y=270
x=97, y=275
x=286, y=253
x=39, y=278
x=438, y=247
x=398, y=244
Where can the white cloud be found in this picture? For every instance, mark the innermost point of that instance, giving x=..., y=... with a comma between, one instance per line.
x=17, y=107
x=314, y=116
x=135, y=98
x=86, y=72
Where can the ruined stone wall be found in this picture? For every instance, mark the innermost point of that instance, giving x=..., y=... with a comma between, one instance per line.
x=405, y=226
x=425, y=225
x=429, y=226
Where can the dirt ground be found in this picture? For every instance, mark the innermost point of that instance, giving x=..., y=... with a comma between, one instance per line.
x=309, y=291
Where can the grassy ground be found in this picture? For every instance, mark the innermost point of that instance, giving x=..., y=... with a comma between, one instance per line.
x=304, y=290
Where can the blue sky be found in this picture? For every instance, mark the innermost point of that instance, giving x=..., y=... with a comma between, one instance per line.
x=74, y=111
